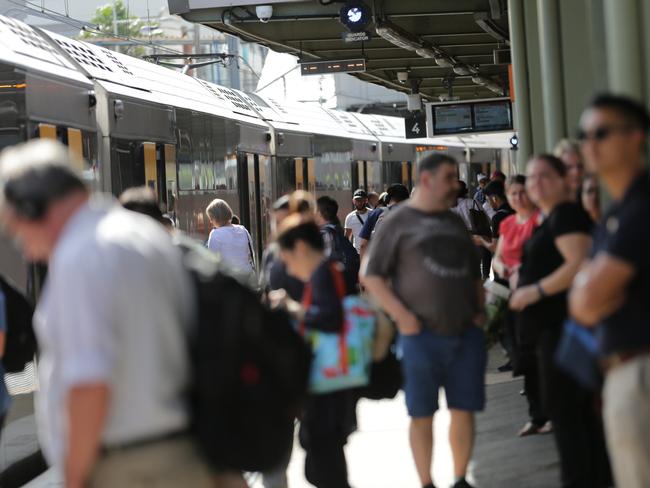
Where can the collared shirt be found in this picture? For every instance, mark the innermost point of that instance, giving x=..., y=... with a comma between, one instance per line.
x=624, y=234
x=114, y=310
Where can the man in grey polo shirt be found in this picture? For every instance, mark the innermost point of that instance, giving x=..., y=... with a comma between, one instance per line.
x=111, y=324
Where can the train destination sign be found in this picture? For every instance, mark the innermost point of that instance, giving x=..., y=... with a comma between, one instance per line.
x=336, y=66
x=489, y=115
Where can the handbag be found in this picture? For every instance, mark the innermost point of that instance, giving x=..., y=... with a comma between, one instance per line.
x=577, y=355
x=481, y=225
x=385, y=377
x=341, y=360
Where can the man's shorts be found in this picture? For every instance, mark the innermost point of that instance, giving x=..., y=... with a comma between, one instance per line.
x=431, y=361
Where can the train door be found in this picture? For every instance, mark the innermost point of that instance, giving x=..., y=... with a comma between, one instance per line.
x=250, y=198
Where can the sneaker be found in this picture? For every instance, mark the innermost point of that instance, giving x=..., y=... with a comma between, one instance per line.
x=462, y=483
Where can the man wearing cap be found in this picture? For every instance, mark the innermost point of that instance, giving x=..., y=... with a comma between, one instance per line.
x=355, y=219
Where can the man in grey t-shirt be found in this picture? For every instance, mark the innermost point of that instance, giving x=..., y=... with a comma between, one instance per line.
x=423, y=268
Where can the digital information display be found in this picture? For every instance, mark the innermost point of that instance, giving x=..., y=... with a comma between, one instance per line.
x=324, y=67
x=469, y=117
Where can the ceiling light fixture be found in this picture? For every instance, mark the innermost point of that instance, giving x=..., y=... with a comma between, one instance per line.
x=444, y=61
x=480, y=80
x=462, y=70
x=426, y=52
x=397, y=36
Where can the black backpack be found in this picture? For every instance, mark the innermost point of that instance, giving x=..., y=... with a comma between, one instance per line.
x=20, y=343
x=344, y=252
x=250, y=372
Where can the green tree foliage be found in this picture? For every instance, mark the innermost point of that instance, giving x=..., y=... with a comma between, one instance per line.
x=127, y=25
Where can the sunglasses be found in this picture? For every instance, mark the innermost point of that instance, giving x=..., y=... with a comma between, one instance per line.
x=600, y=133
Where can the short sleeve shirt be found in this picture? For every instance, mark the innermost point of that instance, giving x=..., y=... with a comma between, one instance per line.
x=542, y=257
x=502, y=213
x=369, y=225
x=624, y=233
x=355, y=222
x=514, y=235
x=432, y=265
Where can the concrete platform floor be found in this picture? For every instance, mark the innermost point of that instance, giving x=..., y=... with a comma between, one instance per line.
x=378, y=453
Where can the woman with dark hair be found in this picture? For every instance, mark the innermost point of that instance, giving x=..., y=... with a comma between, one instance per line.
x=329, y=418
x=551, y=259
x=590, y=196
x=515, y=231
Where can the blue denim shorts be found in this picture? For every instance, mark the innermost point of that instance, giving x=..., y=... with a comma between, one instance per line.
x=431, y=361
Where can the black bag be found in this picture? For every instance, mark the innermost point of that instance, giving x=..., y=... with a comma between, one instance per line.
x=20, y=343
x=385, y=377
x=481, y=225
x=344, y=252
x=250, y=371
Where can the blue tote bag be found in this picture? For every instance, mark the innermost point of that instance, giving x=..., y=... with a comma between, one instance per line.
x=577, y=355
x=342, y=360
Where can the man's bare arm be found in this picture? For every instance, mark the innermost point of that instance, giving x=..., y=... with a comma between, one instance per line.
x=599, y=289
x=87, y=411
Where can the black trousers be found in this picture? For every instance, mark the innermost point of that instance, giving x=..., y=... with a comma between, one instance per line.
x=577, y=424
x=486, y=262
x=327, y=422
x=534, y=397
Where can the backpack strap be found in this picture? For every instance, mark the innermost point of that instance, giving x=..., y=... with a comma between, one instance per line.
x=359, y=218
x=339, y=284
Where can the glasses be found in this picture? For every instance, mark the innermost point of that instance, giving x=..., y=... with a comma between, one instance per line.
x=600, y=133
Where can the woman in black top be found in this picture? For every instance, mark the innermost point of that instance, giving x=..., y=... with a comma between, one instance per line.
x=328, y=419
x=551, y=260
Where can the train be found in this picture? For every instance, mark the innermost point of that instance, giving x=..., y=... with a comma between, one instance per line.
x=132, y=122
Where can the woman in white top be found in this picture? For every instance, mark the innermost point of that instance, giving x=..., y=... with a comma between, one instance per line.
x=232, y=242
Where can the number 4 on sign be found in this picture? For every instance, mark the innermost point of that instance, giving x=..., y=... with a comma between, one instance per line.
x=416, y=128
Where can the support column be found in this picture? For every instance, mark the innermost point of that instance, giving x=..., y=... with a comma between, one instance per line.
x=623, y=37
x=551, y=61
x=520, y=79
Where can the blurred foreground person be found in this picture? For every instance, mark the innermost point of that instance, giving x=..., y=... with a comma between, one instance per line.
x=569, y=153
x=612, y=291
x=422, y=267
x=328, y=418
x=142, y=199
x=111, y=325
x=551, y=259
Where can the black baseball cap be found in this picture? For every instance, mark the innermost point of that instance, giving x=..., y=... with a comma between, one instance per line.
x=360, y=193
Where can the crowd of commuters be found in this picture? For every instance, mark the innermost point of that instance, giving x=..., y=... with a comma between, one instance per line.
x=114, y=368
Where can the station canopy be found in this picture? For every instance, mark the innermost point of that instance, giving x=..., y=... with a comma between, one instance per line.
x=426, y=44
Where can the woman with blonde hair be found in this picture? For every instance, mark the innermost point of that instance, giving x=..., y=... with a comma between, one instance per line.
x=231, y=241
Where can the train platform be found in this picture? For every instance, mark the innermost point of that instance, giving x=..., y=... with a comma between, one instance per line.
x=378, y=453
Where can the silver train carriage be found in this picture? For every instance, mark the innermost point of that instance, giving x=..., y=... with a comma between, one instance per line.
x=135, y=123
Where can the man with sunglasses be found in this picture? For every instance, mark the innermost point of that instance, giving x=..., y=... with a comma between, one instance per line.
x=612, y=290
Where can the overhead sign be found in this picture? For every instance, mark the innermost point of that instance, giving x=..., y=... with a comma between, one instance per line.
x=324, y=67
x=416, y=126
x=195, y=4
x=466, y=117
x=355, y=36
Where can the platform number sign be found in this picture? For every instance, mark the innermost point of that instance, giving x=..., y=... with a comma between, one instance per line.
x=416, y=126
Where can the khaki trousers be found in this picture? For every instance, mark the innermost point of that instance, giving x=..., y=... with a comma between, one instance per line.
x=626, y=414
x=173, y=463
